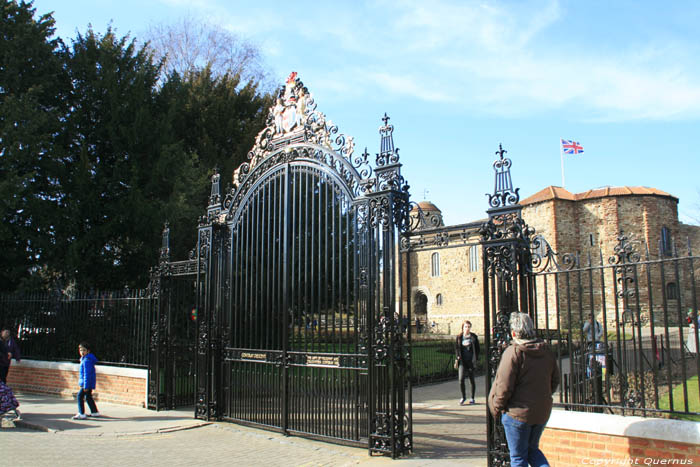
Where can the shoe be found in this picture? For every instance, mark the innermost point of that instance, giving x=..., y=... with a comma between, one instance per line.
x=79, y=416
x=472, y=402
x=461, y=401
x=95, y=414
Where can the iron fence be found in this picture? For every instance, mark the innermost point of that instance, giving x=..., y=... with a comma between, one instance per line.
x=433, y=361
x=622, y=323
x=50, y=326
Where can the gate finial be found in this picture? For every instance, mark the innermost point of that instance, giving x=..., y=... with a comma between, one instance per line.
x=503, y=194
x=165, y=246
x=215, y=197
x=387, y=153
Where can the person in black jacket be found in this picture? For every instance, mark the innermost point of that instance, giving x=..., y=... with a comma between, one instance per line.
x=8, y=350
x=466, y=352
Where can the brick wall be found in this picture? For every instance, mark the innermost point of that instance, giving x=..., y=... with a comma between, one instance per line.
x=460, y=288
x=588, y=224
x=575, y=439
x=572, y=448
x=117, y=385
x=570, y=227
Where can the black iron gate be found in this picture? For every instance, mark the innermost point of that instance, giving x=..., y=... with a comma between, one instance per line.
x=506, y=243
x=174, y=287
x=299, y=323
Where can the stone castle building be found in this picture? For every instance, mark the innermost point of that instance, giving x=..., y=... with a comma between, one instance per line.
x=447, y=283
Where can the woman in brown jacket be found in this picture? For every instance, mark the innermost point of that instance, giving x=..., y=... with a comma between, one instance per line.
x=522, y=392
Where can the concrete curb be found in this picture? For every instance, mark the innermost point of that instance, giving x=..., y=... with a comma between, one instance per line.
x=20, y=423
x=169, y=429
x=158, y=431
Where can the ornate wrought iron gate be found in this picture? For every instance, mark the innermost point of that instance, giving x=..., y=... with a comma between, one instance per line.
x=299, y=327
x=174, y=287
x=506, y=243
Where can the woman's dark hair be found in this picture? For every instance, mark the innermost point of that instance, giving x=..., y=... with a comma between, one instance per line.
x=84, y=345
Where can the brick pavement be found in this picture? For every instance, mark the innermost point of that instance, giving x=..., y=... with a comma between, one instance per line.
x=444, y=434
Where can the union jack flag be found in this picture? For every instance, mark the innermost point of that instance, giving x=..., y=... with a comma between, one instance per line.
x=571, y=147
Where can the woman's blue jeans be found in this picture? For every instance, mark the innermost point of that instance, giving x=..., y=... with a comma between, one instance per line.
x=523, y=442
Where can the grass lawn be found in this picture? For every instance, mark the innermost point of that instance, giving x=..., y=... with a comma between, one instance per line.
x=678, y=402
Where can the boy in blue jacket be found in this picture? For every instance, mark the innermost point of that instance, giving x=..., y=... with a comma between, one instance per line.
x=88, y=378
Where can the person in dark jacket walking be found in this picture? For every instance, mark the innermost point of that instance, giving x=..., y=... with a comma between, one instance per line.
x=521, y=394
x=466, y=352
x=8, y=350
x=87, y=382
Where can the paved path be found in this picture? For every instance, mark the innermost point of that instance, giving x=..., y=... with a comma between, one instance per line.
x=444, y=434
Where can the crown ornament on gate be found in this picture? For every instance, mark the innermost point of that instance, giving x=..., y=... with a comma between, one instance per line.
x=503, y=194
x=292, y=119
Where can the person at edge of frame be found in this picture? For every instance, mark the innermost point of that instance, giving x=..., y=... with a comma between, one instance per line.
x=8, y=350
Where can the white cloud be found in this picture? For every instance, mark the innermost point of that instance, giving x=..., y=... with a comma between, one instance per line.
x=505, y=58
x=407, y=86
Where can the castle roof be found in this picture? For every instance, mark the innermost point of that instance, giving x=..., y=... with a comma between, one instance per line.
x=556, y=192
x=427, y=206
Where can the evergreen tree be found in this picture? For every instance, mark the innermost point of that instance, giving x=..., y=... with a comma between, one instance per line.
x=116, y=129
x=32, y=92
x=98, y=150
x=218, y=121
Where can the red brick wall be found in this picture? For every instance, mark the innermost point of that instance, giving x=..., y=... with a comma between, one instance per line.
x=574, y=448
x=110, y=388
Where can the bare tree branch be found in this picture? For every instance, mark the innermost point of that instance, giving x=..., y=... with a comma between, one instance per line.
x=192, y=44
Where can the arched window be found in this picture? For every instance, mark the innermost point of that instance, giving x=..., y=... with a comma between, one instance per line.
x=671, y=291
x=438, y=299
x=473, y=258
x=435, y=265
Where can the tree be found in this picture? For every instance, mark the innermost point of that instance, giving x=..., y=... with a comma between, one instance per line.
x=119, y=137
x=32, y=91
x=218, y=120
x=141, y=154
x=98, y=149
x=191, y=45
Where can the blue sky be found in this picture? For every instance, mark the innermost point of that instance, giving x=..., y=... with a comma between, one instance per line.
x=459, y=77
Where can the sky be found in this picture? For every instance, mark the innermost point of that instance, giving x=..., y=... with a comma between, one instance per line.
x=458, y=78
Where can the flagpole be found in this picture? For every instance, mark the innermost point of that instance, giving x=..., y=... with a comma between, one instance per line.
x=561, y=155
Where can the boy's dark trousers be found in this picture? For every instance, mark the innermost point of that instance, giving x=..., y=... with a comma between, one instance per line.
x=82, y=396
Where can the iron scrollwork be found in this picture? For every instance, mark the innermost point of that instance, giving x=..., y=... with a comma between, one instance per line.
x=299, y=140
x=380, y=440
x=544, y=259
x=625, y=254
x=503, y=194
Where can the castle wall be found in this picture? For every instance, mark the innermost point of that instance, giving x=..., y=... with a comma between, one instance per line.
x=588, y=229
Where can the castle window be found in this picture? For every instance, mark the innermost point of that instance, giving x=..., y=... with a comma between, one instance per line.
x=671, y=291
x=435, y=265
x=438, y=299
x=590, y=239
x=666, y=247
x=473, y=258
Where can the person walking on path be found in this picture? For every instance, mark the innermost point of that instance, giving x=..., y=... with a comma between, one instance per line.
x=521, y=394
x=593, y=331
x=466, y=352
x=8, y=350
x=87, y=382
